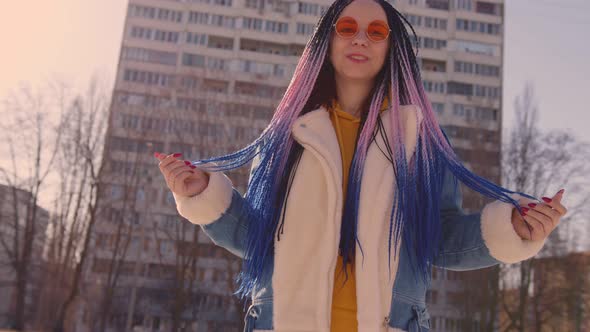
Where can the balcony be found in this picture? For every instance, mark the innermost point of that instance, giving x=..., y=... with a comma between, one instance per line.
x=438, y=4
x=488, y=8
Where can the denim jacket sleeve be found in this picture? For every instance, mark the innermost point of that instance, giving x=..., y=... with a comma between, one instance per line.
x=218, y=210
x=482, y=239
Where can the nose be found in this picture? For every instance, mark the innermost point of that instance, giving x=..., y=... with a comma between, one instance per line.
x=360, y=38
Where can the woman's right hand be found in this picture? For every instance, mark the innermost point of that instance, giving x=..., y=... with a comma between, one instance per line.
x=182, y=178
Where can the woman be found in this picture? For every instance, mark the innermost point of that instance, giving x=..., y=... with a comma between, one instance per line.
x=352, y=164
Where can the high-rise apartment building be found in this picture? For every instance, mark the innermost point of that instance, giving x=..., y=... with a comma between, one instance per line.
x=202, y=77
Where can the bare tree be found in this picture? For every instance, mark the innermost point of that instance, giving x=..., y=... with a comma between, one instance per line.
x=32, y=150
x=540, y=162
x=86, y=132
x=75, y=162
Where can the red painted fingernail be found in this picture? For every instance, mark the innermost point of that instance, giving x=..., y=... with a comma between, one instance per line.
x=156, y=154
x=524, y=209
x=193, y=166
x=532, y=205
x=176, y=155
x=187, y=163
x=547, y=199
x=523, y=213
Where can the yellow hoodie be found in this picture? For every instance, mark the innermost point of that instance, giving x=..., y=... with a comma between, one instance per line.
x=344, y=295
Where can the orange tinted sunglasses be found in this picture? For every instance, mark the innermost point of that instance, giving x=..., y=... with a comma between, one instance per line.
x=347, y=27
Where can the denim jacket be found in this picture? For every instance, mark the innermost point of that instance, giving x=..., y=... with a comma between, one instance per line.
x=296, y=293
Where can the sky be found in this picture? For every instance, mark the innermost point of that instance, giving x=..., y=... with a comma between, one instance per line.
x=545, y=44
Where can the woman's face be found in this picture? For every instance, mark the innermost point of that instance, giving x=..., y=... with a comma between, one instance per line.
x=364, y=12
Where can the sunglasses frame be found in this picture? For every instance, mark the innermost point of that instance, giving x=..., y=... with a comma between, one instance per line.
x=357, y=31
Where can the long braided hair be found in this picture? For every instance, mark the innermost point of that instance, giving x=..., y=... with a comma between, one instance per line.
x=419, y=180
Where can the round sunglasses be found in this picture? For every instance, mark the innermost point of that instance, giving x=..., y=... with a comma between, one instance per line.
x=347, y=27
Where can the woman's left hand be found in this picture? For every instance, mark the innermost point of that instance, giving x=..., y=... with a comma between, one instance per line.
x=539, y=220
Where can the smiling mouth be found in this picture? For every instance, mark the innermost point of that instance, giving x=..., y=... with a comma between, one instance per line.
x=357, y=58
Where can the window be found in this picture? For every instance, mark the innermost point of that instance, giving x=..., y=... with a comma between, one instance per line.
x=438, y=108
x=432, y=65
x=253, y=3
x=464, y=5
x=116, y=192
x=222, y=21
x=148, y=78
x=193, y=60
x=163, y=14
x=166, y=246
x=195, y=38
x=478, y=27
x=435, y=87
x=487, y=91
x=432, y=296
x=155, y=13
x=276, y=27
x=308, y=8
x=477, y=69
x=189, y=82
x=484, y=113
x=278, y=70
x=438, y=4
x=140, y=195
x=476, y=48
x=488, y=8
x=414, y=19
x=141, y=32
x=215, y=86
x=433, y=43
x=459, y=110
x=166, y=36
x=154, y=34
x=144, y=100
x=170, y=198
x=226, y=3
x=148, y=55
x=305, y=28
x=435, y=23
x=216, y=63
x=459, y=88
x=252, y=23
x=249, y=66
x=258, y=90
x=198, y=17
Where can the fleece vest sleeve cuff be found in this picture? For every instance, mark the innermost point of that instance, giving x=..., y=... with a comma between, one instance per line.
x=209, y=205
x=500, y=237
